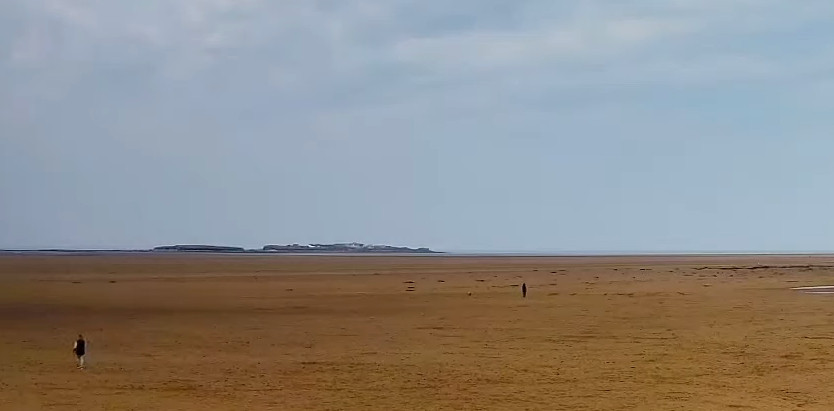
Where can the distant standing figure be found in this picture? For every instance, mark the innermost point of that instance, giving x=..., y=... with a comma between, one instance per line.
x=524, y=290
x=80, y=349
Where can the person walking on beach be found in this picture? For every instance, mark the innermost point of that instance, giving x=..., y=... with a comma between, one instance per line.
x=80, y=349
x=524, y=290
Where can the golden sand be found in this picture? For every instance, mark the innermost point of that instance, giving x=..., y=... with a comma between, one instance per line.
x=181, y=332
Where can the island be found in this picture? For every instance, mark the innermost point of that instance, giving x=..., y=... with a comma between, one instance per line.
x=338, y=248
x=200, y=248
x=345, y=248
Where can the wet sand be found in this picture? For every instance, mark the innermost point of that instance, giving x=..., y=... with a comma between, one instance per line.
x=333, y=333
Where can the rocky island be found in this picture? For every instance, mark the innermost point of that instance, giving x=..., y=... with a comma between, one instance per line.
x=343, y=248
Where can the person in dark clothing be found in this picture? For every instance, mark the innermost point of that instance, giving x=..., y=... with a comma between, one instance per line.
x=524, y=290
x=80, y=349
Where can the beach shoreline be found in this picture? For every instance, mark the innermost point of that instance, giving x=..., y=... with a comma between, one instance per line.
x=183, y=331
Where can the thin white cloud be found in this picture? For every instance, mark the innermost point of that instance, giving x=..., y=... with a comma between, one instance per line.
x=565, y=42
x=316, y=46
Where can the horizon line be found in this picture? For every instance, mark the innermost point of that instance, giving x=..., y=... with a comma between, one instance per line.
x=531, y=253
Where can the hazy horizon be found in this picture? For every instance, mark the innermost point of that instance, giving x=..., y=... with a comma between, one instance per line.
x=474, y=125
x=464, y=252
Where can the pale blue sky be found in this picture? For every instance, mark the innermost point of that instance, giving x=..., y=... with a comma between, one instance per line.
x=541, y=125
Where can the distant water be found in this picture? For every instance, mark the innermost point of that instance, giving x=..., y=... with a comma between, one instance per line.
x=630, y=253
x=438, y=254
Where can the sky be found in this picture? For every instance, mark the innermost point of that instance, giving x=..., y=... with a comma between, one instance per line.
x=466, y=125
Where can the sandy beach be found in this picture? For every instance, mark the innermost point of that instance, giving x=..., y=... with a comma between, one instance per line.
x=182, y=332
